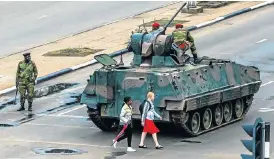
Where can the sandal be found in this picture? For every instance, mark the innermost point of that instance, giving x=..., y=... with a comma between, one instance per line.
x=159, y=147
x=144, y=146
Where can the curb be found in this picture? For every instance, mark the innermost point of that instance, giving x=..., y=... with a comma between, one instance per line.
x=123, y=51
x=230, y=15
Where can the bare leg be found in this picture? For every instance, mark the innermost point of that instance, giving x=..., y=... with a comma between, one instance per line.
x=154, y=136
x=143, y=138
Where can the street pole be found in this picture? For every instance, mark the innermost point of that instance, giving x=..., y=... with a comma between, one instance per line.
x=191, y=4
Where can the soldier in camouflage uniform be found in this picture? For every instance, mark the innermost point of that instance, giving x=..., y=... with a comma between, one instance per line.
x=180, y=34
x=25, y=80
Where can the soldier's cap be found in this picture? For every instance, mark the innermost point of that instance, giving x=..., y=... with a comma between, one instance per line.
x=179, y=25
x=155, y=24
x=27, y=53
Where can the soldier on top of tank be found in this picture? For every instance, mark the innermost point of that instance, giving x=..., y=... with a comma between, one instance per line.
x=155, y=26
x=181, y=35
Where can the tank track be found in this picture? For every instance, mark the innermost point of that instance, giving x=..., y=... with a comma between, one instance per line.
x=101, y=123
x=181, y=120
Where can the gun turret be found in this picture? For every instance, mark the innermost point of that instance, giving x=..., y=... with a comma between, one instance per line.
x=156, y=43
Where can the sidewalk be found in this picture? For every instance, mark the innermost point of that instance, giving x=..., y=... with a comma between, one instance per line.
x=111, y=38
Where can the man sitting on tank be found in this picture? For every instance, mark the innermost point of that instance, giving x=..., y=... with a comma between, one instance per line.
x=155, y=26
x=181, y=35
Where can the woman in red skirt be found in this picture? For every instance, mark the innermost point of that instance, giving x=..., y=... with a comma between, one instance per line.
x=148, y=123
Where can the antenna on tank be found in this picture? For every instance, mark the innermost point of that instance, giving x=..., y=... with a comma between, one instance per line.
x=144, y=26
x=121, y=60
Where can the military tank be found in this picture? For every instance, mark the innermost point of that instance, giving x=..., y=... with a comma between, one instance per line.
x=195, y=97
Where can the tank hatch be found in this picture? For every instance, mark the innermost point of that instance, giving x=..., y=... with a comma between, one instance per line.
x=105, y=60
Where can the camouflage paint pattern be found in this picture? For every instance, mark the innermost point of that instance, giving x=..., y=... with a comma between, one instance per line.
x=192, y=86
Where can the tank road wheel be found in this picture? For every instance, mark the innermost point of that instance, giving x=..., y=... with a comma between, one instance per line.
x=195, y=123
x=239, y=108
x=218, y=115
x=227, y=111
x=207, y=118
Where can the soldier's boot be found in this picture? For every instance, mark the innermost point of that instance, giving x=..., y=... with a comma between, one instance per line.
x=30, y=106
x=195, y=57
x=22, y=107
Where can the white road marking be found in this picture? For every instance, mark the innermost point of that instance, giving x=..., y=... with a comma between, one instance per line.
x=266, y=110
x=52, y=142
x=71, y=110
x=8, y=113
x=55, y=125
x=43, y=16
x=12, y=120
x=266, y=83
x=65, y=116
x=261, y=41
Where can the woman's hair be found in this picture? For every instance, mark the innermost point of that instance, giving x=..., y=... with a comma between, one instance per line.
x=150, y=94
x=127, y=99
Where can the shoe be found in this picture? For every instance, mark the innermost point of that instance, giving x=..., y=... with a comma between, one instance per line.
x=22, y=107
x=159, y=147
x=129, y=149
x=30, y=106
x=114, y=144
x=195, y=57
x=144, y=146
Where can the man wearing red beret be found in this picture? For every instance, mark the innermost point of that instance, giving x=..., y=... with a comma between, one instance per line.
x=180, y=34
x=155, y=26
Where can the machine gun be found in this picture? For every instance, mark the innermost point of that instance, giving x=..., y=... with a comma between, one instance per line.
x=139, y=30
x=155, y=43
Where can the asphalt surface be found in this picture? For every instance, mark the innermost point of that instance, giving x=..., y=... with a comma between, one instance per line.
x=27, y=24
x=248, y=39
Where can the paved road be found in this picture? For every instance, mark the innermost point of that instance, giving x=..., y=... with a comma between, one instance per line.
x=69, y=128
x=27, y=24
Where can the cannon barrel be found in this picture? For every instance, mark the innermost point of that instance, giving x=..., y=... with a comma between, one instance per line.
x=165, y=27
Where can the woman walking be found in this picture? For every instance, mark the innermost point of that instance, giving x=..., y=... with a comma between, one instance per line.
x=125, y=118
x=148, y=123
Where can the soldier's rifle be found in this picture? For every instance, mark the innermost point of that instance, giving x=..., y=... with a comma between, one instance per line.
x=15, y=94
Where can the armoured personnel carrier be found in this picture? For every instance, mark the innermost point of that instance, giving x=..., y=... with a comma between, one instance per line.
x=195, y=97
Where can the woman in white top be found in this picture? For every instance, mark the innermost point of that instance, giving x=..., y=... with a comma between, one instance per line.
x=126, y=118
